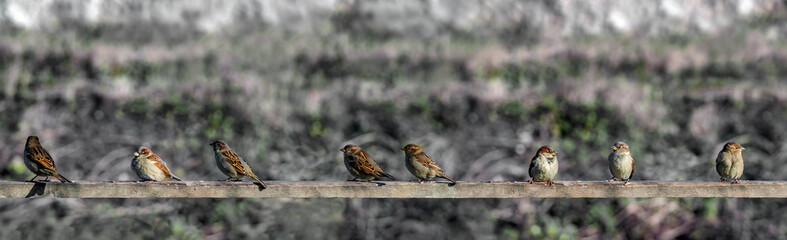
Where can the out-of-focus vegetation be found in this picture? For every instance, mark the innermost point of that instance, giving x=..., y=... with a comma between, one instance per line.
x=479, y=98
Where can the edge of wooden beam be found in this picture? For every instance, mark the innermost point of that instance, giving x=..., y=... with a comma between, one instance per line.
x=346, y=189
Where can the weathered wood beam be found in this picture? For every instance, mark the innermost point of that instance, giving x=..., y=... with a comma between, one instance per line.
x=344, y=189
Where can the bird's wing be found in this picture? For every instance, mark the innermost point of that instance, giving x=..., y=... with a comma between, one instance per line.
x=41, y=157
x=160, y=164
x=235, y=161
x=632, y=168
x=425, y=160
x=532, y=164
x=365, y=164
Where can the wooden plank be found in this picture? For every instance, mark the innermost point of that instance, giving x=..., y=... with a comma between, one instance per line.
x=345, y=189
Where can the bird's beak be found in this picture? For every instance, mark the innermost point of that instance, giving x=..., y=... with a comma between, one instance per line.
x=402, y=149
x=341, y=150
x=743, y=148
x=614, y=148
x=554, y=153
x=136, y=154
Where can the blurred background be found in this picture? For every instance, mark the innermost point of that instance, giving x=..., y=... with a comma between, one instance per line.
x=479, y=84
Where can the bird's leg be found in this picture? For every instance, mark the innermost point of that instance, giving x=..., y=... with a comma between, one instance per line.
x=627, y=182
x=47, y=179
x=531, y=180
x=611, y=179
x=33, y=178
x=735, y=181
x=352, y=180
x=721, y=180
x=420, y=181
x=228, y=179
x=549, y=182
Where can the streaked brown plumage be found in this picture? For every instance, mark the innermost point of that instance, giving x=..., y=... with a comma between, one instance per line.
x=621, y=164
x=361, y=165
x=150, y=167
x=543, y=166
x=729, y=162
x=38, y=160
x=421, y=165
x=231, y=164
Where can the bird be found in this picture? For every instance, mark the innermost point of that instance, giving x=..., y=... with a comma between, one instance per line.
x=38, y=160
x=361, y=165
x=421, y=165
x=621, y=164
x=729, y=162
x=149, y=166
x=231, y=164
x=543, y=167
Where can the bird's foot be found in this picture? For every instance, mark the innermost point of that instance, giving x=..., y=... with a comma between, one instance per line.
x=611, y=179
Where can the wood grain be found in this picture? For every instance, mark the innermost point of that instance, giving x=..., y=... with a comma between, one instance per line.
x=344, y=189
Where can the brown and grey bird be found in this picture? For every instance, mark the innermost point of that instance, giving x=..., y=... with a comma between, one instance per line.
x=150, y=167
x=38, y=160
x=729, y=162
x=621, y=164
x=543, y=167
x=361, y=165
x=421, y=165
x=231, y=164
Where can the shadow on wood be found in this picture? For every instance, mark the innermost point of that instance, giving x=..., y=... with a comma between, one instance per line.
x=38, y=189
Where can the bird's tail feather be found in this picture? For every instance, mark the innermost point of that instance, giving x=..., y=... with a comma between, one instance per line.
x=447, y=178
x=61, y=178
x=388, y=176
x=262, y=184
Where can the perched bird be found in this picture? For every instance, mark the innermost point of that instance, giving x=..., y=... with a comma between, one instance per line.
x=729, y=162
x=149, y=166
x=361, y=165
x=543, y=167
x=421, y=165
x=231, y=164
x=38, y=160
x=621, y=164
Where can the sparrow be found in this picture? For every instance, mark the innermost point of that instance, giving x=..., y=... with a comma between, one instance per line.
x=543, y=167
x=38, y=160
x=231, y=164
x=149, y=166
x=729, y=162
x=421, y=165
x=621, y=164
x=361, y=165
